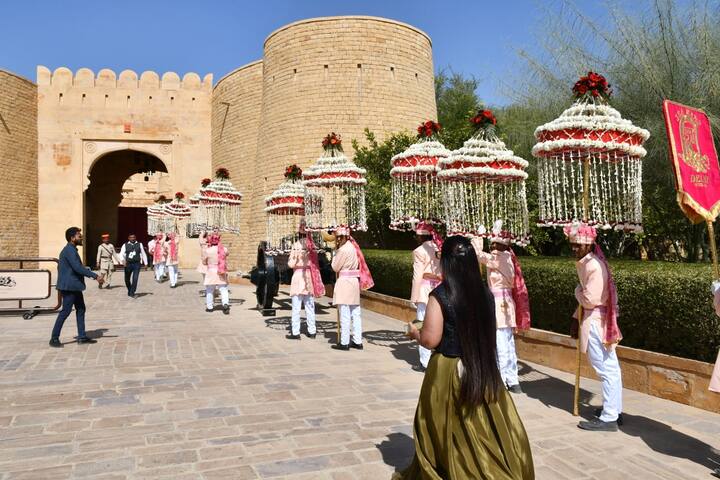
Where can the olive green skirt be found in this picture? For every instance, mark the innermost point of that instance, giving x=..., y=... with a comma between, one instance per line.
x=455, y=442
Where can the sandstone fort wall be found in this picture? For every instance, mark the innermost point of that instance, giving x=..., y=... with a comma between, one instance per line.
x=18, y=166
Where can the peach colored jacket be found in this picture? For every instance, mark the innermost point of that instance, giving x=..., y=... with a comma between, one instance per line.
x=301, y=282
x=592, y=295
x=202, y=268
x=210, y=259
x=347, y=289
x=169, y=261
x=715, y=378
x=151, y=248
x=425, y=263
x=501, y=278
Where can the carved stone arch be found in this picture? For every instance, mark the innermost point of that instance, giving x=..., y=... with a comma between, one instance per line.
x=94, y=150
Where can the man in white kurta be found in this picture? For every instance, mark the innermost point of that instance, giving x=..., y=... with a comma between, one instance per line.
x=156, y=249
x=214, y=259
x=301, y=289
x=426, y=276
x=597, y=320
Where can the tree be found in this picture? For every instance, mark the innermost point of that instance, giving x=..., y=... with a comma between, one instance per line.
x=456, y=103
x=654, y=51
x=375, y=158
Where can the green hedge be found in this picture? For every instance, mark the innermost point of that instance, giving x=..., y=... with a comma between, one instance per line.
x=664, y=307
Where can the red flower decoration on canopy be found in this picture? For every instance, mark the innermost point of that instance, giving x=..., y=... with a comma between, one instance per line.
x=222, y=174
x=293, y=172
x=428, y=129
x=483, y=119
x=205, y=182
x=592, y=85
x=333, y=142
x=179, y=195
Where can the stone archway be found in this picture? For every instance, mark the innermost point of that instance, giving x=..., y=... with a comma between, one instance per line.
x=113, y=177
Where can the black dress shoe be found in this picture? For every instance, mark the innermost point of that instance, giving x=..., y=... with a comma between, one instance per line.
x=209, y=310
x=598, y=413
x=82, y=340
x=597, y=425
x=515, y=388
x=311, y=335
x=226, y=309
x=340, y=346
x=293, y=337
x=55, y=342
x=358, y=346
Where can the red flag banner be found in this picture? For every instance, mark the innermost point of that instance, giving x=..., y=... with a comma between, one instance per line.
x=695, y=161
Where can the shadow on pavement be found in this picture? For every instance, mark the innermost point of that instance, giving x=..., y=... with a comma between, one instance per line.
x=659, y=436
x=401, y=346
x=99, y=333
x=397, y=451
x=143, y=294
x=553, y=392
x=180, y=283
x=325, y=328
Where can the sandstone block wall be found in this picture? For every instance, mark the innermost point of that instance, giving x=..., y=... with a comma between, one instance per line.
x=236, y=105
x=18, y=167
x=339, y=74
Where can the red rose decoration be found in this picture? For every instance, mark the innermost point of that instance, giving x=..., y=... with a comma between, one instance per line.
x=332, y=142
x=428, y=129
x=593, y=85
x=484, y=119
x=205, y=182
x=179, y=195
x=222, y=174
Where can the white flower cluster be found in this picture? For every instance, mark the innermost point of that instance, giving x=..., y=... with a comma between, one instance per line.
x=287, y=189
x=224, y=188
x=480, y=152
x=591, y=118
x=340, y=165
x=428, y=149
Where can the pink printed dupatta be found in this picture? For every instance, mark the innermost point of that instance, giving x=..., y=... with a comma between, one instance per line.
x=520, y=297
x=317, y=283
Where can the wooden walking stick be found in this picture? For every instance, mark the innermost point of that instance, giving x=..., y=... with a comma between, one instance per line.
x=578, y=356
x=713, y=249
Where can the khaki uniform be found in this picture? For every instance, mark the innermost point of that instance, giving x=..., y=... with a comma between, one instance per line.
x=106, y=260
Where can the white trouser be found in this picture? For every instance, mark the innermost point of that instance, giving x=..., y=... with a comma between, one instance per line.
x=173, y=271
x=346, y=313
x=159, y=270
x=607, y=366
x=507, y=356
x=424, y=353
x=209, y=294
x=297, y=303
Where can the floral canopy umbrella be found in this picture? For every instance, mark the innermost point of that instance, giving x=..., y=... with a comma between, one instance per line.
x=590, y=154
x=334, y=190
x=413, y=178
x=177, y=213
x=158, y=219
x=285, y=211
x=218, y=204
x=483, y=182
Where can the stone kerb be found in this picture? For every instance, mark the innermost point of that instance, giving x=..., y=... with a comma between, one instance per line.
x=672, y=378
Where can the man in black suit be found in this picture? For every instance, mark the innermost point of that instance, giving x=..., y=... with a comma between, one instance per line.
x=71, y=283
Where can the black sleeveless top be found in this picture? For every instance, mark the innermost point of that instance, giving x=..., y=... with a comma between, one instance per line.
x=450, y=342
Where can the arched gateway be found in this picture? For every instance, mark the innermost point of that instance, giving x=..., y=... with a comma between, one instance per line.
x=100, y=136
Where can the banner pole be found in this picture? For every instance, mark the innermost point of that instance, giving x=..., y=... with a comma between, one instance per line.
x=578, y=356
x=713, y=249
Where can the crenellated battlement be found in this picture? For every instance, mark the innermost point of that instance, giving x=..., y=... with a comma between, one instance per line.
x=64, y=78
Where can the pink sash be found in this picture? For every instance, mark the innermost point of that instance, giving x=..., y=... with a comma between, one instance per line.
x=350, y=273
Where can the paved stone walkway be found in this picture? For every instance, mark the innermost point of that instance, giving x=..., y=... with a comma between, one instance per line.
x=172, y=392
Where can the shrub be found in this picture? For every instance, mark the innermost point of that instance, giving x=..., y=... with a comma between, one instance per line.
x=664, y=307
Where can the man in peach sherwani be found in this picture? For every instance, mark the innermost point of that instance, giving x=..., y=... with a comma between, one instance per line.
x=501, y=280
x=426, y=275
x=214, y=258
x=172, y=252
x=598, y=329
x=301, y=288
x=156, y=248
x=353, y=275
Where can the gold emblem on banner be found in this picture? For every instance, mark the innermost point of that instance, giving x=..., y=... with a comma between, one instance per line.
x=690, y=145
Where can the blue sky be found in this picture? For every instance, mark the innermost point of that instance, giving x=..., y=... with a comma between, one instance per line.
x=475, y=37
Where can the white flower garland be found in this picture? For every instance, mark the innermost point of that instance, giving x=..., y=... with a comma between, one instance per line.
x=287, y=189
x=221, y=187
x=577, y=144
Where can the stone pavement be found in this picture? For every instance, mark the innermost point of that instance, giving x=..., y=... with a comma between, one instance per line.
x=172, y=392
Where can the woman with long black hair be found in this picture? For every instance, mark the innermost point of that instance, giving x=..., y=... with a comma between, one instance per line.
x=466, y=424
